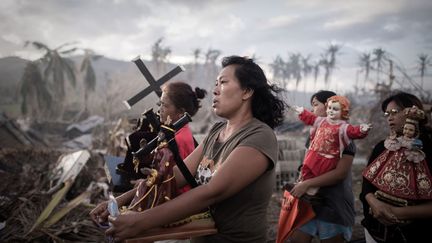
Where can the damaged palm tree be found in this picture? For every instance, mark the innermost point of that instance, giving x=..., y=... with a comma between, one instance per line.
x=36, y=98
x=64, y=174
x=57, y=69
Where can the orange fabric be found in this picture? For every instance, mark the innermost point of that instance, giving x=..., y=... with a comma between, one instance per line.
x=294, y=213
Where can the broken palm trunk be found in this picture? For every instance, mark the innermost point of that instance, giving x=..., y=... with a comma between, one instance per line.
x=68, y=167
x=64, y=174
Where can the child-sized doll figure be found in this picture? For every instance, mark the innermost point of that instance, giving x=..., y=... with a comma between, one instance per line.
x=409, y=141
x=329, y=136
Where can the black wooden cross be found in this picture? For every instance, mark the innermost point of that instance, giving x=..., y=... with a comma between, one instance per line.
x=154, y=85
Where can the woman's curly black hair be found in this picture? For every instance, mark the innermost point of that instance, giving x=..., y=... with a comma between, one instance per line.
x=266, y=105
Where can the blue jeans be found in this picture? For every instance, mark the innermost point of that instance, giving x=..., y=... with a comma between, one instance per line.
x=325, y=230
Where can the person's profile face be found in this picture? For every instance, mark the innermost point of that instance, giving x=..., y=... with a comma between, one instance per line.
x=318, y=108
x=395, y=117
x=227, y=93
x=168, y=109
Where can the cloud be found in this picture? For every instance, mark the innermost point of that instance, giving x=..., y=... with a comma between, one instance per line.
x=280, y=21
x=123, y=29
x=57, y=22
x=236, y=23
x=347, y=14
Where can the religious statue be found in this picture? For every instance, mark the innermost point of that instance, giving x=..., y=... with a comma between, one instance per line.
x=121, y=173
x=160, y=184
x=329, y=136
x=147, y=129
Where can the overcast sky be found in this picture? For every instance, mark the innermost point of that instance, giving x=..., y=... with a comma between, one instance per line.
x=123, y=29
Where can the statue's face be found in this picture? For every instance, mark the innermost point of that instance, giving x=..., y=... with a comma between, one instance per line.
x=151, y=179
x=409, y=130
x=334, y=111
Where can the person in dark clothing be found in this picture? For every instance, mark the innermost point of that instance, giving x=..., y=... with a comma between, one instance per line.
x=384, y=220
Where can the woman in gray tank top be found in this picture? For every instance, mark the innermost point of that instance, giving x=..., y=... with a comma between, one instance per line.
x=235, y=162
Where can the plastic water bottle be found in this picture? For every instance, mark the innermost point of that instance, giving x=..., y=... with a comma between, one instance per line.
x=113, y=206
x=113, y=211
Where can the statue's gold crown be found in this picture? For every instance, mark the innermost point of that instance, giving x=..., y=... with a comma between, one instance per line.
x=414, y=114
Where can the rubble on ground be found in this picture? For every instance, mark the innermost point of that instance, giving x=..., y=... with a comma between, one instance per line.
x=25, y=175
x=26, y=171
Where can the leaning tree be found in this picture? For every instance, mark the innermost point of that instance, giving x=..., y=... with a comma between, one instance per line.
x=57, y=70
x=89, y=75
x=423, y=62
x=36, y=99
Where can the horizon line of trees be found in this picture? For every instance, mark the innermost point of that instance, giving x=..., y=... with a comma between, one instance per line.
x=298, y=67
x=388, y=71
x=45, y=80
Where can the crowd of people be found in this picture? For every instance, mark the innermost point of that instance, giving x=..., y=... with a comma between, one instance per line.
x=235, y=166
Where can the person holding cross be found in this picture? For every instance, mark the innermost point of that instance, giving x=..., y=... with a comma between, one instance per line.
x=235, y=163
x=176, y=99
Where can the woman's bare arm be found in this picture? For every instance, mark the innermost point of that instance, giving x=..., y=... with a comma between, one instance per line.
x=329, y=178
x=413, y=212
x=242, y=167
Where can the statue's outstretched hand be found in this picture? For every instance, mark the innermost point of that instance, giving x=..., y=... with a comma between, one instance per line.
x=364, y=128
x=297, y=109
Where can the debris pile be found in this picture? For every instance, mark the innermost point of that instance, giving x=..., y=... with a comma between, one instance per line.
x=30, y=212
